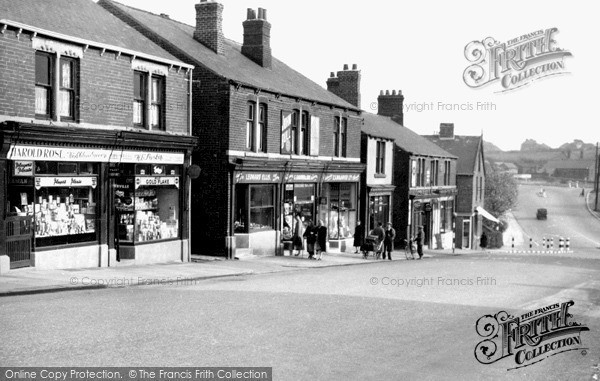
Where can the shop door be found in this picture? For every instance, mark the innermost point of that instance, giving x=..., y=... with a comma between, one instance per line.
x=466, y=233
x=18, y=241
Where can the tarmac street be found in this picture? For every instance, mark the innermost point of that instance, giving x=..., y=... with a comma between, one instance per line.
x=378, y=320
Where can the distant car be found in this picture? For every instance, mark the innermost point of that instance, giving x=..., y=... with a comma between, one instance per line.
x=542, y=214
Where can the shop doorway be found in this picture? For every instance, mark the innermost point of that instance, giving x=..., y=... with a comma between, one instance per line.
x=18, y=241
x=379, y=211
x=466, y=233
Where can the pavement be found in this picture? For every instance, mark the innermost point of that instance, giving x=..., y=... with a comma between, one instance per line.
x=29, y=280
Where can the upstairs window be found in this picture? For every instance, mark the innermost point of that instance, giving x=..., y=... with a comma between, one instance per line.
x=435, y=169
x=157, y=103
x=296, y=134
x=148, y=90
x=380, y=158
x=46, y=106
x=43, y=84
x=447, y=172
x=256, y=127
x=68, y=92
x=139, y=98
x=250, y=126
x=340, y=133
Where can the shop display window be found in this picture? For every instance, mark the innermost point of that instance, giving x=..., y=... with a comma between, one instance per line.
x=339, y=213
x=64, y=215
x=262, y=207
x=255, y=208
x=298, y=198
x=379, y=211
x=146, y=213
x=59, y=197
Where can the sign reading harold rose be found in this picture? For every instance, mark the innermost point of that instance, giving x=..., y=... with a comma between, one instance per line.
x=515, y=63
x=27, y=152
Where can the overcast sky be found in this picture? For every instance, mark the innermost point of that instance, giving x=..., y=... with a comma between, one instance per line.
x=418, y=47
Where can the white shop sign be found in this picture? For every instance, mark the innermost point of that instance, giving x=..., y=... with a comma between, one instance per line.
x=23, y=168
x=156, y=181
x=65, y=182
x=26, y=152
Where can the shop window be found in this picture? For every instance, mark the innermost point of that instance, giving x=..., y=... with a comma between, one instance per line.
x=68, y=168
x=65, y=215
x=379, y=211
x=298, y=199
x=262, y=207
x=147, y=213
x=446, y=214
x=340, y=211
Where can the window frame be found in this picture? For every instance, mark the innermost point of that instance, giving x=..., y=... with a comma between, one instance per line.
x=380, y=157
x=160, y=103
x=73, y=90
x=250, y=125
x=49, y=87
x=263, y=122
x=140, y=99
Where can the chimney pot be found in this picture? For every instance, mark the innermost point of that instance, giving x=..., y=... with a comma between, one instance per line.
x=264, y=14
x=393, y=92
x=354, y=67
x=345, y=66
x=257, y=38
x=332, y=75
x=387, y=92
x=380, y=92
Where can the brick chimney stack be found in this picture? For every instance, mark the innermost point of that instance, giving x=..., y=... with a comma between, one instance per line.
x=346, y=84
x=446, y=130
x=209, y=21
x=257, y=38
x=391, y=105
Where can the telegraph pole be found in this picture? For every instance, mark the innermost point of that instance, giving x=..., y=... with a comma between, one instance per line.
x=596, y=178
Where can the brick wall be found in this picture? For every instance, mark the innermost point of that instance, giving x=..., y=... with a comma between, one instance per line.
x=17, y=75
x=105, y=86
x=466, y=194
x=210, y=206
x=238, y=117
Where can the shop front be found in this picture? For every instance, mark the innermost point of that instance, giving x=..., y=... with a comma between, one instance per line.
x=80, y=206
x=379, y=205
x=434, y=211
x=269, y=205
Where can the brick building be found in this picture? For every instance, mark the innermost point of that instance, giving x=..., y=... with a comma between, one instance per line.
x=273, y=143
x=94, y=140
x=409, y=180
x=470, y=181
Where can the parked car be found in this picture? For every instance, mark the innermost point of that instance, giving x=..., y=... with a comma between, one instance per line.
x=542, y=214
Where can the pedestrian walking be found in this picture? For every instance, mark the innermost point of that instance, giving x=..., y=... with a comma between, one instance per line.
x=298, y=237
x=582, y=192
x=420, y=240
x=380, y=233
x=310, y=233
x=359, y=236
x=483, y=241
x=321, y=246
x=390, y=236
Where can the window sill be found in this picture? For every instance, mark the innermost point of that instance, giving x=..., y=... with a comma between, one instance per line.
x=380, y=175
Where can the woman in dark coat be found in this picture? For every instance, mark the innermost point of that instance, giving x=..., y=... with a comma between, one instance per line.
x=311, y=239
x=321, y=239
x=359, y=236
x=483, y=241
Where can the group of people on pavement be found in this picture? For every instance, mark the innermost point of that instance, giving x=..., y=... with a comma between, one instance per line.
x=315, y=235
x=385, y=239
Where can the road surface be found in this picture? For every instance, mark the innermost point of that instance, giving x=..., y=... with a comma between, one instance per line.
x=338, y=323
x=568, y=217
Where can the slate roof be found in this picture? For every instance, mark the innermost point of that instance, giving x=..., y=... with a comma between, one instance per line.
x=82, y=19
x=232, y=64
x=406, y=139
x=463, y=147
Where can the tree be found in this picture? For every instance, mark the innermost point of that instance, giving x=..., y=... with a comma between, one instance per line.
x=501, y=192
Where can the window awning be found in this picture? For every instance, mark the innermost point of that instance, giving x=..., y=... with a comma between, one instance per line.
x=487, y=214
